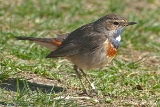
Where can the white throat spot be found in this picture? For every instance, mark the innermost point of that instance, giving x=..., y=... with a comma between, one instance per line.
x=118, y=38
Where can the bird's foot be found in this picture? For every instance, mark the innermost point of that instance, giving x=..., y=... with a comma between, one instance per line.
x=89, y=93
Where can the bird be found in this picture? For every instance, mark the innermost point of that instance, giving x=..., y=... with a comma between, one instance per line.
x=90, y=46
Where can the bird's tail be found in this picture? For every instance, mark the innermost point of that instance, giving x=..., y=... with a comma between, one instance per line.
x=50, y=43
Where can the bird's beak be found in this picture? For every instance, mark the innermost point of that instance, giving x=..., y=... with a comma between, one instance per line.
x=131, y=23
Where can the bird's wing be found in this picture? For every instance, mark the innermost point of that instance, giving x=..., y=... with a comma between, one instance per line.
x=82, y=39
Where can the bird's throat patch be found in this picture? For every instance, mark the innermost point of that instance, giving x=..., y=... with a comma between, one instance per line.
x=111, y=51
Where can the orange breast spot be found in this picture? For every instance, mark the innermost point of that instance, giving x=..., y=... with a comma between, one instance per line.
x=54, y=42
x=110, y=50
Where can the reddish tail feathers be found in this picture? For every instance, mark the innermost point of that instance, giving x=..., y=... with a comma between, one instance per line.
x=50, y=43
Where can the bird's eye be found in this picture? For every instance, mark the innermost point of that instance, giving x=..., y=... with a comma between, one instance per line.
x=115, y=23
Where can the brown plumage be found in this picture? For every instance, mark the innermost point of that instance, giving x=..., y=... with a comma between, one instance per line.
x=90, y=46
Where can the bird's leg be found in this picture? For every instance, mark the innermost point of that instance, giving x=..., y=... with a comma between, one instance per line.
x=80, y=78
x=91, y=84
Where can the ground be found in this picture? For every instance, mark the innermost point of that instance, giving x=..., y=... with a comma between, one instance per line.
x=28, y=79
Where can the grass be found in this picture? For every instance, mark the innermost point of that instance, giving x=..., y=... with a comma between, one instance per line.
x=28, y=79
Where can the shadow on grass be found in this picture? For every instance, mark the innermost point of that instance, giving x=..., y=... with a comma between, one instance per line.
x=14, y=84
x=20, y=85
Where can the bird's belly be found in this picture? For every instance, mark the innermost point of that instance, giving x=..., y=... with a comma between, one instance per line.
x=90, y=60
